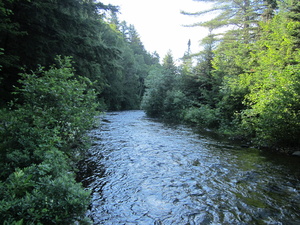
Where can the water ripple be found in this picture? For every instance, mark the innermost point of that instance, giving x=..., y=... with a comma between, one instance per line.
x=161, y=174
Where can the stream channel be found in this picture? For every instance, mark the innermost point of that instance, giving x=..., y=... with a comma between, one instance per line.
x=147, y=172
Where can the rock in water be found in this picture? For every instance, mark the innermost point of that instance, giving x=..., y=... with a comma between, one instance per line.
x=297, y=153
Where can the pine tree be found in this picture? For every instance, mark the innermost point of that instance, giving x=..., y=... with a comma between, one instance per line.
x=294, y=14
x=241, y=16
x=60, y=27
x=8, y=29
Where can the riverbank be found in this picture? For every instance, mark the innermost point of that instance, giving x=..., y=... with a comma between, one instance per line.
x=234, y=137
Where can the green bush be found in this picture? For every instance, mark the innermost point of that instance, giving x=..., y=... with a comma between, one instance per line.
x=38, y=136
x=152, y=102
x=155, y=93
x=202, y=116
x=174, y=104
x=274, y=118
x=272, y=113
x=57, y=99
x=43, y=194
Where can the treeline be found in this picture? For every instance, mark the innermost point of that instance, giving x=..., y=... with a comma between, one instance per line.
x=108, y=52
x=246, y=82
x=61, y=62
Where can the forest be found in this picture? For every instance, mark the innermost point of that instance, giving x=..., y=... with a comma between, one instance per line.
x=63, y=62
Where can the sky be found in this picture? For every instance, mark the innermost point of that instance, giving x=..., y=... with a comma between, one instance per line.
x=160, y=24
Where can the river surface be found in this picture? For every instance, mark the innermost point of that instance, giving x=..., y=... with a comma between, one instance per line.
x=147, y=172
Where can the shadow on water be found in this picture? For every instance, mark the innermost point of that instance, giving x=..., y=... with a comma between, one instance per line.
x=146, y=172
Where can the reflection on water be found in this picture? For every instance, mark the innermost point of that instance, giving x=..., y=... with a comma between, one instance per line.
x=159, y=174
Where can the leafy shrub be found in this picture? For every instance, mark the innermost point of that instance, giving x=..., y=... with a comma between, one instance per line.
x=174, y=104
x=152, y=103
x=44, y=193
x=273, y=103
x=59, y=100
x=37, y=140
x=155, y=93
x=203, y=116
x=274, y=117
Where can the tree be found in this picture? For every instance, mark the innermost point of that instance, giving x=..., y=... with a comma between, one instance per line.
x=169, y=64
x=8, y=28
x=127, y=88
x=241, y=16
x=66, y=27
x=272, y=114
x=225, y=56
x=294, y=14
x=159, y=83
x=163, y=97
x=201, y=87
x=155, y=93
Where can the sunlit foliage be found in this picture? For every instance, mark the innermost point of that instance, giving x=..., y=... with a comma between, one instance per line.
x=246, y=81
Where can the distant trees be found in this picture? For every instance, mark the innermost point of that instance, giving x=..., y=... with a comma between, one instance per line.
x=134, y=65
x=68, y=27
x=74, y=28
x=163, y=98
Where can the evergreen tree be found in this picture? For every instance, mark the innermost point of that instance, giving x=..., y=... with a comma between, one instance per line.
x=127, y=88
x=159, y=83
x=201, y=87
x=155, y=93
x=241, y=16
x=8, y=28
x=163, y=97
x=207, y=83
x=294, y=14
x=66, y=27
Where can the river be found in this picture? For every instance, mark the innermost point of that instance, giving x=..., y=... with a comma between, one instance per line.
x=147, y=172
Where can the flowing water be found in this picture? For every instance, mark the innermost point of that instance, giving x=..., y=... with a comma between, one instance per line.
x=147, y=172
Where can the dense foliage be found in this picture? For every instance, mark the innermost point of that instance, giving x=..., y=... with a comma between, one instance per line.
x=37, y=143
x=246, y=80
x=109, y=53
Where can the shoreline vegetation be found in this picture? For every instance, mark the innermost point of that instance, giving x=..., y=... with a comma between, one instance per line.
x=62, y=62
x=233, y=139
x=246, y=82
x=41, y=141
